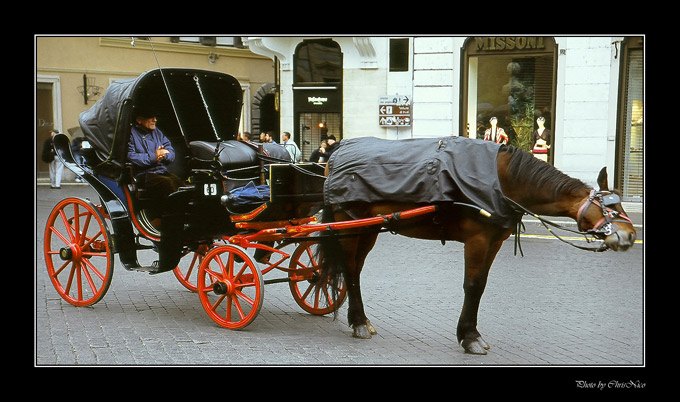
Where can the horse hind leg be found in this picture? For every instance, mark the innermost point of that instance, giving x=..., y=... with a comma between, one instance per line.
x=356, y=256
x=345, y=258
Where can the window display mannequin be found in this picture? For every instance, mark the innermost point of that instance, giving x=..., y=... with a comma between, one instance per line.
x=540, y=143
x=495, y=133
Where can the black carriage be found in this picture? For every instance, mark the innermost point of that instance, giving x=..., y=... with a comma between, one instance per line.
x=206, y=229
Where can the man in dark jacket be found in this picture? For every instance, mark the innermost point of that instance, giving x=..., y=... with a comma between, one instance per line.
x=150, y=151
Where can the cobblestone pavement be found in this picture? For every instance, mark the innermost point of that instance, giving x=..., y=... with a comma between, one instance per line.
x=555, y=306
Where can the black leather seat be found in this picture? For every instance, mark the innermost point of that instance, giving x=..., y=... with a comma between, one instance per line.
x=232, y=154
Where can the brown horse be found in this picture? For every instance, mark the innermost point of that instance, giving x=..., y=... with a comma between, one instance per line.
x=529, y=182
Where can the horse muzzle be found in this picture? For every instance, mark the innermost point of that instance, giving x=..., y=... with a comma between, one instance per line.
x=620, y=240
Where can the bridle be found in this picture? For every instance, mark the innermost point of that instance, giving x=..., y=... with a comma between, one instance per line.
x=603, y=228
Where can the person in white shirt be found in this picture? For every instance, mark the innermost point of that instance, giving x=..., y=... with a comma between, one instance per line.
x=291, y=147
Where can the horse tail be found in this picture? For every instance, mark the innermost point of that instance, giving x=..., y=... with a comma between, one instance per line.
x=332, y=257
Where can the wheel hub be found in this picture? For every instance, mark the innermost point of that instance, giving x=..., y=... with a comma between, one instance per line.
x=65, y=254
x=222, y=288
x=70, y=253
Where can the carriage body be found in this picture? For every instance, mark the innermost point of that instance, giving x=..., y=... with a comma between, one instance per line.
x=199, y=112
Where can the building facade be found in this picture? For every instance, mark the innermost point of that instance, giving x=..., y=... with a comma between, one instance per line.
x=72, y=72
x=589, y=92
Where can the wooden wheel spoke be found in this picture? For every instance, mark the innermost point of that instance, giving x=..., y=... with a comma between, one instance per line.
x=310, y=287
x=238, y=294
x=83, y=231
x=93, y=238
x=217, y=303
x=67, y=225
x=195, y=259
x=59, y=235
x=93, y=268
x=238, y=307
x=214, y=277
x=310, y=254
x=69, y=282
x=88, y=278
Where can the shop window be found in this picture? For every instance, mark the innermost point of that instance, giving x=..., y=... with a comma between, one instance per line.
x=512, y=79
x=631, y=125
x=318, y=62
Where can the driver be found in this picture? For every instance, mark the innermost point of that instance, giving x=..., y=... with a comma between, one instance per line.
x=150, y=151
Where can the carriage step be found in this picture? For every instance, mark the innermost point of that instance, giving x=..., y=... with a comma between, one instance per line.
x=152, y=269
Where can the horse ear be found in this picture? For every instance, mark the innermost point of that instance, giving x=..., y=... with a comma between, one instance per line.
x=602, y=180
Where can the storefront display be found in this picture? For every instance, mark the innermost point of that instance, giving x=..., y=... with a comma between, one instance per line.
x=512, y=79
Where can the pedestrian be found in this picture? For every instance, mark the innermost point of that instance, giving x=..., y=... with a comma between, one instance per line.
x=332, y=146
x=291, y=147
x=495, y=133
x=266, y=137
x=49, y=157
x=76, y=148
x=319, y=154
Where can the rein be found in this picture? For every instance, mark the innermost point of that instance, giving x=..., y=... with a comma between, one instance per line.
x=604, y=227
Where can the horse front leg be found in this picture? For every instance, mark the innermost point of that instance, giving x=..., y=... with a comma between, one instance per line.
x=479, y=254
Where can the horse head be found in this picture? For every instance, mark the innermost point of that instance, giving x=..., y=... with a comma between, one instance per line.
x=602, y=215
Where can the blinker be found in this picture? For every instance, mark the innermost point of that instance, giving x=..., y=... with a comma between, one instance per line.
x=611, y=199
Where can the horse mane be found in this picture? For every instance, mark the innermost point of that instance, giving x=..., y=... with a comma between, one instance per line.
x=524, y=168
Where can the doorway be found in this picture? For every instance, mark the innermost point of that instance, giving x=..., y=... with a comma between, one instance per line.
x=317, y=93
x=314, y=127
x=44, y=114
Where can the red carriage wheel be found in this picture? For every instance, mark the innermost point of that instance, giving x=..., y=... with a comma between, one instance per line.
x=78, y=252
x=187, y=269
x=313, y=296
x=230, y=286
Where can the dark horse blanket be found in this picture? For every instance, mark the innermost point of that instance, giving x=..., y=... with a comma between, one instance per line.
x=424, y=170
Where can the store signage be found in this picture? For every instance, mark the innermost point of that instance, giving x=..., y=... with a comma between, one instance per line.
x=495, y=43
x=317, y=100
x=394, y=111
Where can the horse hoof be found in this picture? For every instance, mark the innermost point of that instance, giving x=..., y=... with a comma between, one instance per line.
x=475, y=347
x=483, y=343
x=371, y=329
x=362, y=331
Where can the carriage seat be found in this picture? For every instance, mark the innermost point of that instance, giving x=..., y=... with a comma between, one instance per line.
x=238, y=154
x=136, y=185
x=232, y=154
